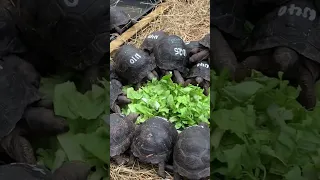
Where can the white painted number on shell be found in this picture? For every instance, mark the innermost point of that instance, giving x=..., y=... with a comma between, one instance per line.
x=135, y=58
x=71, y=3
x=307, y=12
x=151, y=36
x=180, y=52
x=203, y=65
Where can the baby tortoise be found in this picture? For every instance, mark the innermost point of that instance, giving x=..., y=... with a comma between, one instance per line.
x=122, y=130
x=153, y=142
x=117, y=96
x=150, y=41
x=200, y=74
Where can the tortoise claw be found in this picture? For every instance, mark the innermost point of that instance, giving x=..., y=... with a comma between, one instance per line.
x=44, y=121
x=123, y=100
x=178, y=77
x=73, y=170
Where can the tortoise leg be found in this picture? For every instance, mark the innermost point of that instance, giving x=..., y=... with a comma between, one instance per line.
x=195, y=50
x=189, y=81
x=206, y=86
x=116, y=108
x=285, y=58
x=131, y=160
x=123, y=100
x=151, y=76
x=18, y=148
x=167, y=72
x=176, y=176
x=156, y=74
x=42, y=120
x=73, y=170
x=308, y=74
x=199, y=80
x=138, y=86
x=161, y=171
x=198, y=57
x=46, y=103
x=119, y=30
x=223, y=56
x=178, y=77
x=120, y=160
x=132, y=117
x=259, y=63
x=91, y=77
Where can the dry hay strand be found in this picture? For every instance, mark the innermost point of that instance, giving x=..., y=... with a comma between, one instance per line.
x=189, y=20
x=137, y=171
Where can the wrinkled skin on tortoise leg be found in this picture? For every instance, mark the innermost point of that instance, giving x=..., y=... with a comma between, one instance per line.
x=161, y=171
x=308, y=75
x=73, y=170
x=190, y=81
x=120, y=160
x=199, y=55
x=43, y=121
x=18, y=147
x=285, y=58
x=223, y=56
x=123, y=100
x=206, y=86
x=178, y=77
x=131, y=160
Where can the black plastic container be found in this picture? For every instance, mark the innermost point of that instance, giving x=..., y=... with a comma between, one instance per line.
x=136, y=9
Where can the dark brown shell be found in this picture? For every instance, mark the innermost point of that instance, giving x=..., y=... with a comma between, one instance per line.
x=133, y=64
x=150, y=41
x=121, y=134
x=154, y=140
x=115, y=91
x=202, y=69
x=191, y=155
x=171, y=54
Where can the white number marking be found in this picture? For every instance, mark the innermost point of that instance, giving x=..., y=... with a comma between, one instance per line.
x=203, y=65
x=294, y=10
x=134, y=58
x=151, y=36
x=180, y=51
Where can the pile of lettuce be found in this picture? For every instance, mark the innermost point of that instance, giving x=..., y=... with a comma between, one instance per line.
x=260, y=132
x=183, y=106
x=88, y=138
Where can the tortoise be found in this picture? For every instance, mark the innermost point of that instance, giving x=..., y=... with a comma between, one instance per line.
x=191, y=45
x=201, y=53
x=73, y=170
x=20, y=99
x=287, y=43
x=200, y=74
x=153, y=142
x=149, y=42
x=117, y=96
x=122, y=130
x=134, y=65
x=191, y=154
x=171, y=55
x=119, y=20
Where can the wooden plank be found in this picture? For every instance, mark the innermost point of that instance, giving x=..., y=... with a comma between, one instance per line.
x=120, y=40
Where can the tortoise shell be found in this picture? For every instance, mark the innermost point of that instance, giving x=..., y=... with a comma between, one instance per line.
x=280, y=28
x=121, y=134
x=171, y=54
x=133, y=64
x=150, y=41
x=191, y=154
x=192, y=45
x=205, y=41
x=25, y=172
x=17, y=92
x=202, y=69
x=154, y=140
x=118, y=17
x=115, y=91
